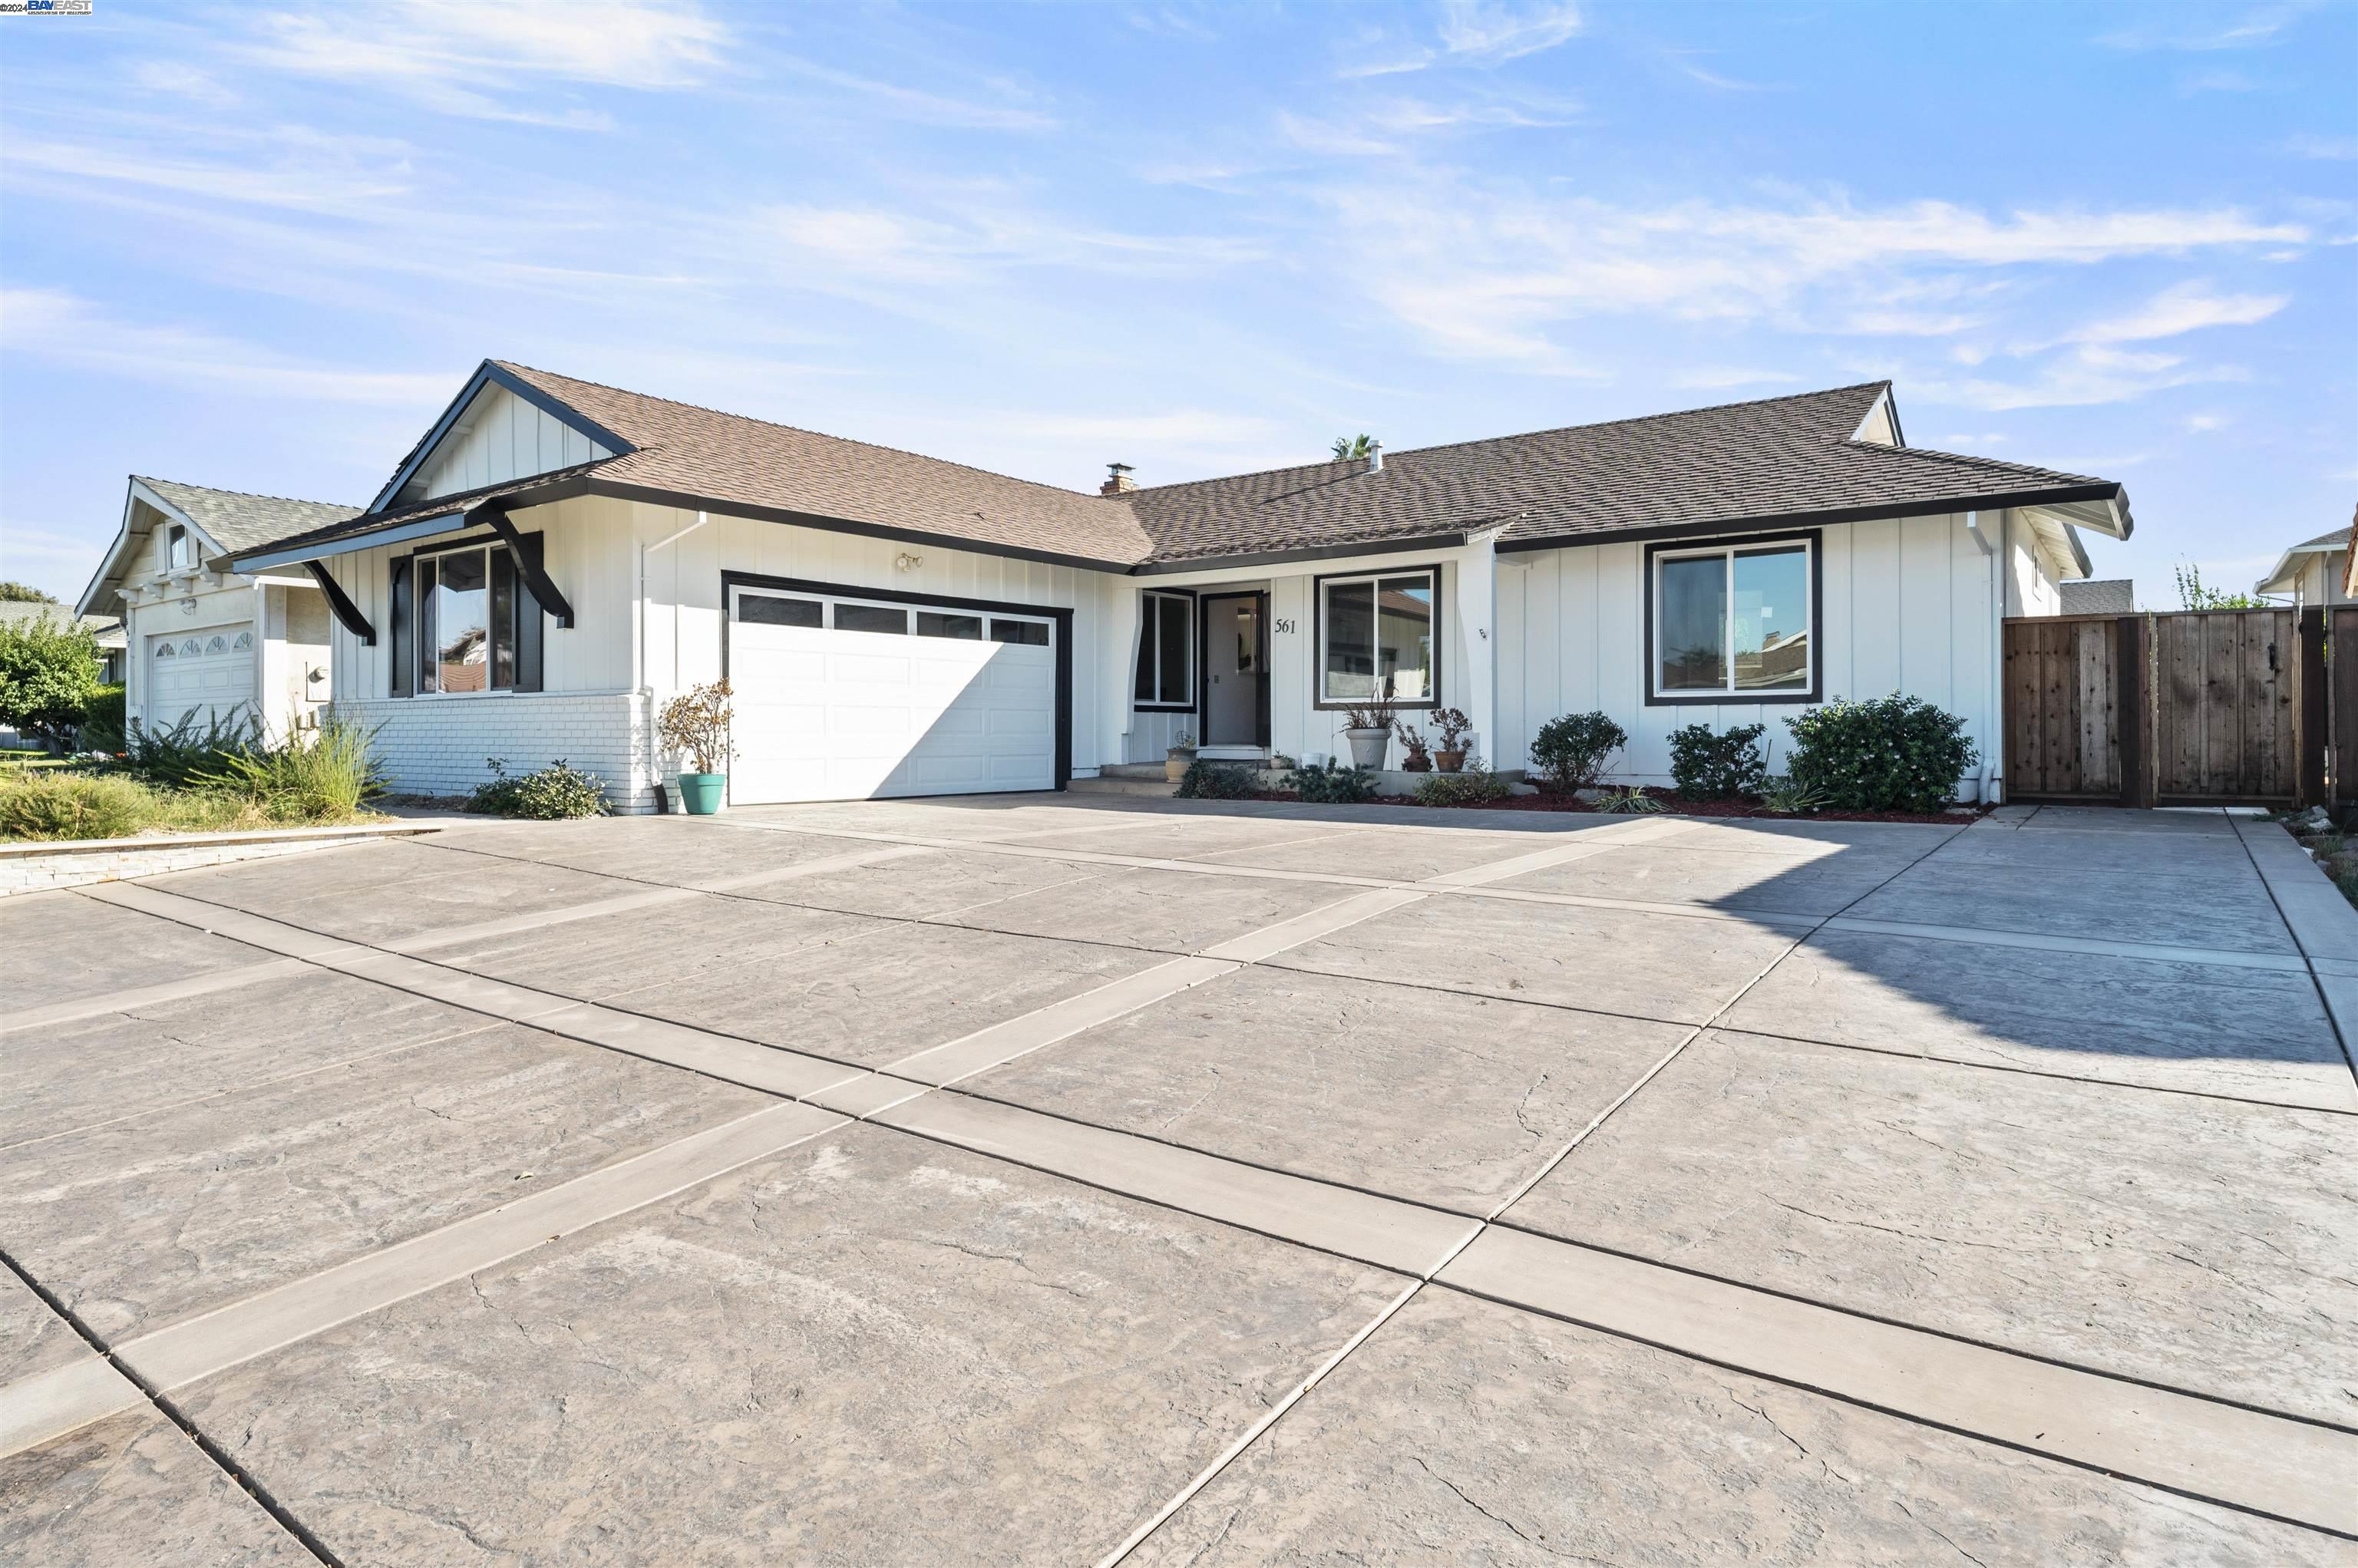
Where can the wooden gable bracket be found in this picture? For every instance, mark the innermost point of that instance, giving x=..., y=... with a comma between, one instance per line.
x=527, y=563
x=346, y=613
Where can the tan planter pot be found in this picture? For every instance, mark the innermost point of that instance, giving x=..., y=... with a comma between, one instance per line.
x=1175, y=764
x=1449, y=762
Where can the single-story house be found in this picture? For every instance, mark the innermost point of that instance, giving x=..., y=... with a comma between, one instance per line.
x=555, y=558
x=2101, y=596
x=207, y=643
x=2314, y=571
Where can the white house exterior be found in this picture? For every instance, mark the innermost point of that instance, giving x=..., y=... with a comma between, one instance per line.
x=203, y=642
x=2313, y=572
x=555, y=558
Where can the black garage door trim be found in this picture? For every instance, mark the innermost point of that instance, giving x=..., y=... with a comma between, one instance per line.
x=1063, y=618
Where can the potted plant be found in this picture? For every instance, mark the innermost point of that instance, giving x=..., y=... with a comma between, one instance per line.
x=1420, y=756
x=1177, y=758
x=1454, y=727
x=695, y=724
x=1368, y=727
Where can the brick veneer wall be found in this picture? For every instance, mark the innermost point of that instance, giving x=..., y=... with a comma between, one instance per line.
x=437, y=745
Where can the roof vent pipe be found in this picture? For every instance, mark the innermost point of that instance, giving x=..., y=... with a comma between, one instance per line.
x=1375, y=457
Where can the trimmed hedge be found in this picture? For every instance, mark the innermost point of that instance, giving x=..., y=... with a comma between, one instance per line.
x=1708, y=767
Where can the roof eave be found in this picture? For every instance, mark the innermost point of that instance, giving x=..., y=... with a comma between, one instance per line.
x=1451, y=539
x=492, y=372
x=1753, y=523
x=344, y=541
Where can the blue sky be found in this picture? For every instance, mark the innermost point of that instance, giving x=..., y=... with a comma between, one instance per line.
x=259, y=247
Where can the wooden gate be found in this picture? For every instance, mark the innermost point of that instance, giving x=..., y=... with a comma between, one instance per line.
x=2195, y=707
x=2070, y=682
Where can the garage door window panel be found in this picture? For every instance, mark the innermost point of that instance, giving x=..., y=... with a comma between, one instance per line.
x=887, y=620
x=942, y=624
x=776, y=609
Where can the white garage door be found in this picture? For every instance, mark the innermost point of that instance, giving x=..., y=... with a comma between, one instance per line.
x=844, y=697
x=209, y=674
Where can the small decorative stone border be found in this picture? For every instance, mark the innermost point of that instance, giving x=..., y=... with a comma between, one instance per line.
x=38, y=865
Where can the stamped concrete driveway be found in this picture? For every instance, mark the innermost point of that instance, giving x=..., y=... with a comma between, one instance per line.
x=1034, y=1180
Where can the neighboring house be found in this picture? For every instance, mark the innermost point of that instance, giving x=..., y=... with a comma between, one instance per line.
x=205, y=642
x=555, y=558
x=2101, y=596
x=2315, y=571
x=105, y=629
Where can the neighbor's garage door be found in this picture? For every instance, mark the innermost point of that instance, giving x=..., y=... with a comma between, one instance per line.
x=207, y=676
x=845, y=697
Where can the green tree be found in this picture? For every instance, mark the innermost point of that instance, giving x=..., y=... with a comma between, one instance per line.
x=23, y=594
x=1359, y=445
x=49, y=674
x=2193, y=595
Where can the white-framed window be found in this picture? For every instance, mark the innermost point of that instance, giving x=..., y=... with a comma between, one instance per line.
x=1733, y=621
x=179, y=550
x=467, y=630
x=1167, y=652
x=1378, y=638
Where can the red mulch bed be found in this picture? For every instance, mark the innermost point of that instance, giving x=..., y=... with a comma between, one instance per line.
x=1675, y=805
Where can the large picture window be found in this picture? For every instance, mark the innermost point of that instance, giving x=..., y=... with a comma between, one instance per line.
x=1733, y=623
x=1378, y=639
x=1166, y=651
x=468, y=621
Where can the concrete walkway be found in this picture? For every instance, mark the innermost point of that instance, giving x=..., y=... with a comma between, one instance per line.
x=1032, y=1179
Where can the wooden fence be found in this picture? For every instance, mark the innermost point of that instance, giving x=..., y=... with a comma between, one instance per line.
x=2195, y=707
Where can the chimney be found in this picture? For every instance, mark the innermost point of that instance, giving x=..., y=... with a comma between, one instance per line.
x=1375, y=457
x=1118, y=480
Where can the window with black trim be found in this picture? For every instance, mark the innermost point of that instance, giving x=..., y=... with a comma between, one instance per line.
x=1377, y=638
x=1733, y=621
x=1166, y=651
x=469, y=612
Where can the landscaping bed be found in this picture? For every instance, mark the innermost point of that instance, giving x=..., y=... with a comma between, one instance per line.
x=1671, y=802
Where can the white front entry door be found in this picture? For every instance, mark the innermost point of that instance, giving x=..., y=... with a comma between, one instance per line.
x=855, y=696
x=206, y=675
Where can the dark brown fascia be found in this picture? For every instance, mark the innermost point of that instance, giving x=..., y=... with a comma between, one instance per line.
x=1824, y=517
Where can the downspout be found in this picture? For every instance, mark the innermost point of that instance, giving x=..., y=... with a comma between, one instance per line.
x=639, y=644
x=1993, y=714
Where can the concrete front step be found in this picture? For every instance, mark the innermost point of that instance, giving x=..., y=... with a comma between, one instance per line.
x=1158, y=787
x=1132, y=770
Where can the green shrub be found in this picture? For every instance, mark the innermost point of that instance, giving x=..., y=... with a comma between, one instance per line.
x=1706, y=766
x=1473, y=784
x=1331, y=783
x=49, y=673
x=102, y=721
x=553, y=794
x=1788, y=797
x=1570, y=751
x=1217, y=780
x=184, y=755
x=1894, y=753
x=54, y=802
x=326, y=776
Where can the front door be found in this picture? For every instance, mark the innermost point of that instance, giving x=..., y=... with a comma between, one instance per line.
x=1236, y=669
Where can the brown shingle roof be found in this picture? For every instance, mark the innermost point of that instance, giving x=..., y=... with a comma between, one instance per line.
x=1743, y=463
x=727, y=457
x=1740, y=462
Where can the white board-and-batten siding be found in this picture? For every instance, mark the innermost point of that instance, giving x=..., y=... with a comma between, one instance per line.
x=591, y=681
x=500, y=437
x=1908, y=607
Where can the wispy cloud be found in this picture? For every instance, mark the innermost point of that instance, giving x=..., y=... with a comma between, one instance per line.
x=470, y=47
x=1685, y=63
x=63, y=329
x=1714, y=377
x=2186, y=307
x=1501, y=32
x=2083, y=377
x=180, y=80
x=2251, y=29
x=2308, y=145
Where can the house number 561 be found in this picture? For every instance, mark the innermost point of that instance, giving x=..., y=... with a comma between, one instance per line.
x=1281, y=624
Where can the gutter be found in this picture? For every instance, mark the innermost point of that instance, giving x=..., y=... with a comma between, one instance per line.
x=1870, y=514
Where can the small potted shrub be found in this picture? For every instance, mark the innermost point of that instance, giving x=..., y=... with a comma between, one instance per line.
x=1454, y=727
x=695, y=724
x=1368, y=728
x=1179, y=757
x=1420, y=756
